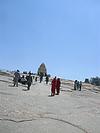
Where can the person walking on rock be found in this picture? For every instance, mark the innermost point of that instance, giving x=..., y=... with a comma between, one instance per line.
x=53, y=86
x=75, y=84
x=29, y=80
x=41, y=77
x=47, y=79
x=16, y=78
x=58, y=86
x=80, y=85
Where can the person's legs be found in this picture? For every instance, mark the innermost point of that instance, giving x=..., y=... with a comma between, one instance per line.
x=52, y=91
x=28, y=86
x=14, y=81
x=58, y=89
x=17, y=83
x=74, y=86
x=80, y=88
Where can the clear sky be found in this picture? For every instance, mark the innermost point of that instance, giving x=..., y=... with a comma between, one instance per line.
x=64, y=34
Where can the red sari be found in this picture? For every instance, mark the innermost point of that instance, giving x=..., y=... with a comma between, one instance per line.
x=53, y=87
x=58, y=86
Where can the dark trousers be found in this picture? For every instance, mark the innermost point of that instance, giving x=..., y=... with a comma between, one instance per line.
x=28, y=87
x=80, y=88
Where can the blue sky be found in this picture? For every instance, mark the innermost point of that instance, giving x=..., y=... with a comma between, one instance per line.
x=64, y=34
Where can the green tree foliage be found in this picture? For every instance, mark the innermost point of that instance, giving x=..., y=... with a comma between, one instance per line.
x=95, y=81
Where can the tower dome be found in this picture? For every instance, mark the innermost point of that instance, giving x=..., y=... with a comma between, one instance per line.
x=42, y=70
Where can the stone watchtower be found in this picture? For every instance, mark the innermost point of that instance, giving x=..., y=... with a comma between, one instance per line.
x=42, y=70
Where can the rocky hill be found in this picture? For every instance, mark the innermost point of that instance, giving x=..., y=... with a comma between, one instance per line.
x=35, y=111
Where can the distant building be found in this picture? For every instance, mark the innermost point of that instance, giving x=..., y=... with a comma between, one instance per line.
x=42, y=70
x=87, y=80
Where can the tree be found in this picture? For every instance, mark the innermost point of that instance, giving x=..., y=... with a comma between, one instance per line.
x=95, y=81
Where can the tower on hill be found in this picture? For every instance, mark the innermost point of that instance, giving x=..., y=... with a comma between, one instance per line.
x=42, y=70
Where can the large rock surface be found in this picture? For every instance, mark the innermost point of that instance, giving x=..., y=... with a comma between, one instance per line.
x=34, y=111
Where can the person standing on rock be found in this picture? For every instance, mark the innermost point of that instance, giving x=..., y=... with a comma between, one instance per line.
x=47, y=79
x=75, y=84
x=41, y=77
x=53, y=86
x=80, y=85
x=16, y=78
x=58, y=83
x=29, y=81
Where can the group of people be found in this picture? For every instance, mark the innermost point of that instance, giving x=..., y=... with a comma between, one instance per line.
x=24, y=80
x=28, y=79
x=55, y=86
x=77, y=85
x=41, y=79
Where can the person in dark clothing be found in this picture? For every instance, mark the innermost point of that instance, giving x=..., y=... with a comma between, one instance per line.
x=41, y=77
x=29, y=80
x=16, y=78
x=75, y=84
x=47, y=79
x=80, y=85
